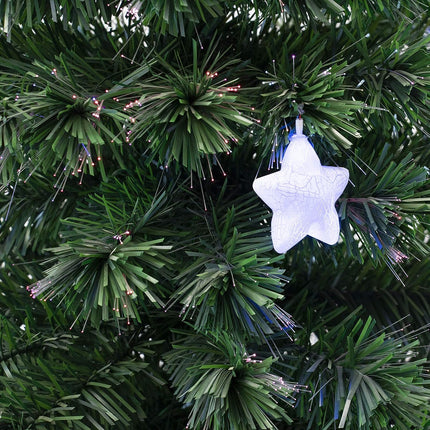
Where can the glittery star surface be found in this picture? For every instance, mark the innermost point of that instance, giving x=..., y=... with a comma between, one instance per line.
x=302, y=196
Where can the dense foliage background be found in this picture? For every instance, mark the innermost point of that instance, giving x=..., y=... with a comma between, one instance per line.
x=139, y=286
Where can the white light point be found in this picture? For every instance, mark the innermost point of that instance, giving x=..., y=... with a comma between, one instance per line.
x=302, y=195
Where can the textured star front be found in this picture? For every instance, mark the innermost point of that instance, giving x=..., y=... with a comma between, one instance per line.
x=302, y=195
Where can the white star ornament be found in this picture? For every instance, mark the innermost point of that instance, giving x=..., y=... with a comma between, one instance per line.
x=302, y=195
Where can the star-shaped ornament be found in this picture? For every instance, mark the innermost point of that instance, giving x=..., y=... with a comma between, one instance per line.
x=302, y=195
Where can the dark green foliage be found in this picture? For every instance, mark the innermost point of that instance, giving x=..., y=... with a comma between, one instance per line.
x=32, y=220
x=360, y=380
x=174, y=17
x=395, y=191
x=313, y=85
x=226, y=387
x=188, y=113
x=28, y=13
x=231, y=284
x=46, y=384
x=108, y=261
x=130, y=135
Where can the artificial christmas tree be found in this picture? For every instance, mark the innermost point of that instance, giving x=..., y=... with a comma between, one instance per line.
x=139, y=284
